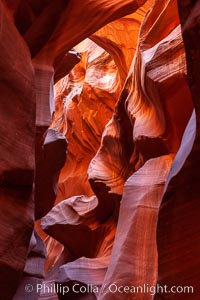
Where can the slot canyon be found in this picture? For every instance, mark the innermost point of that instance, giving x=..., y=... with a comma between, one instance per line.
x=100, y=149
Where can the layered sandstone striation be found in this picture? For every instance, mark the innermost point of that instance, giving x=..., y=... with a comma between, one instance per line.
x=99, y=147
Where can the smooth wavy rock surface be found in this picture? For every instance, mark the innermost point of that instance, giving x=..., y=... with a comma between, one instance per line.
x=135, y=239
x=17, y=132
x=144, y=125
x=99, y=148
x=180, y=204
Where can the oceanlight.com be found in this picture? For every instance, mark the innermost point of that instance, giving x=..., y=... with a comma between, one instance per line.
x=149, y=289
x=113, y=288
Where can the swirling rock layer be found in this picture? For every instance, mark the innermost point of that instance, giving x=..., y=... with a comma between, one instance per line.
x=99, y=145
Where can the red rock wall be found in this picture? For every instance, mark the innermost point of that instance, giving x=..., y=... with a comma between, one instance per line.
x=99, y=146
x=17, y=132
x=178, y=221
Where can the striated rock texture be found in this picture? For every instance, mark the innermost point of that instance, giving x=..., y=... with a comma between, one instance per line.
x=180, y=203
x=17, y=130
x=99, y=152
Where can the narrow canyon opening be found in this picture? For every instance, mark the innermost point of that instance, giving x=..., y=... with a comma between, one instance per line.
x=99, y=168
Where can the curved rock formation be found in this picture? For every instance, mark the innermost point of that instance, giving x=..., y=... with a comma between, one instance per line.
x=180, y=203
x=50, y=160
x=17, y=132
x=144, y=125
x=99, y=145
